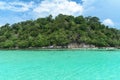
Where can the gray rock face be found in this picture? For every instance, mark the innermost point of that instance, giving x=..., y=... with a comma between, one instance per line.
x=82, y=45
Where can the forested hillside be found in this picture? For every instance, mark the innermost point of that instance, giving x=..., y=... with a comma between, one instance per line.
x=59, y=31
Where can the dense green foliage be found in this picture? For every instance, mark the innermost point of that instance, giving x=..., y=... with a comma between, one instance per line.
x=60, y=31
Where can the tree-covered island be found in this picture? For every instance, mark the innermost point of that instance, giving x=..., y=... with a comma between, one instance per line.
x=63, y=31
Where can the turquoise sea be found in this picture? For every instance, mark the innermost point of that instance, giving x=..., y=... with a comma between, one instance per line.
x=59, y=65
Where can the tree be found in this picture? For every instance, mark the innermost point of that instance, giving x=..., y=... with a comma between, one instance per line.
x=59, y=31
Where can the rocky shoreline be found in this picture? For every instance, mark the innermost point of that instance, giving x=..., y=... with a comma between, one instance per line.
x=78, y=46
x=69, y=46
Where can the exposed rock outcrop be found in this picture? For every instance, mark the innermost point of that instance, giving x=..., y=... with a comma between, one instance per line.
x=82, y=45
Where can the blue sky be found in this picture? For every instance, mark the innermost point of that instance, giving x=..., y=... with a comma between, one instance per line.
x=12, y=11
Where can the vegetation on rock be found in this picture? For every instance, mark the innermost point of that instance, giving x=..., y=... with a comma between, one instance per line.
x=59, y=31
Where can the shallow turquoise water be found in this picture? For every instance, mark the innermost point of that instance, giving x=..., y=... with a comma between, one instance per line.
x=60, y=65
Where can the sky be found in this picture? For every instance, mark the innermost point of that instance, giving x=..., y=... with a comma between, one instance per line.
x=13, y=11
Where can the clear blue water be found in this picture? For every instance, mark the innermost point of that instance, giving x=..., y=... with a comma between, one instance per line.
x=60, y=65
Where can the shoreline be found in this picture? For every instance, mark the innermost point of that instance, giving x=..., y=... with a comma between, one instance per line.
x=54, y=49
x=71, y=46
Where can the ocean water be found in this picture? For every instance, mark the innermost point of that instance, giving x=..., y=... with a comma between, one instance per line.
x=59, y=65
